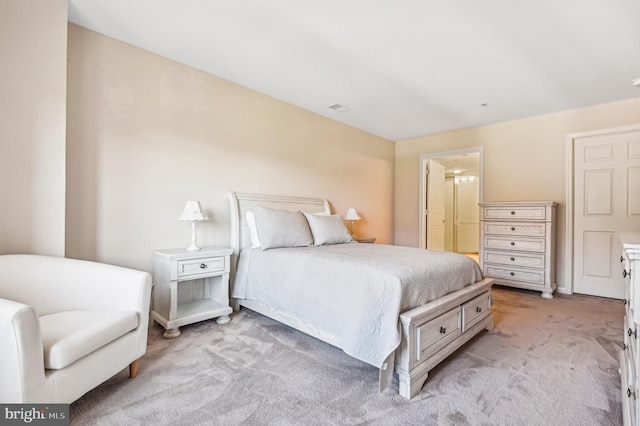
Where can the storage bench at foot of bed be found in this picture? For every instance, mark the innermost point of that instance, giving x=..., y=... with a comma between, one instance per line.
x=433, y=331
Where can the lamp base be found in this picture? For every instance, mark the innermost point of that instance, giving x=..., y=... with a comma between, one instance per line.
x=193, y=247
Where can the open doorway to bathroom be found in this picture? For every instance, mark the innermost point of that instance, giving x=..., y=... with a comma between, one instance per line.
x=451, y=187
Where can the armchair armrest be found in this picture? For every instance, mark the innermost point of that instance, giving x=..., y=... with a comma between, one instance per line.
x=22, y=367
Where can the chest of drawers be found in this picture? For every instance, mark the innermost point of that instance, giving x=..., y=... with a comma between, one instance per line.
x=517, y=244
x=629, y=367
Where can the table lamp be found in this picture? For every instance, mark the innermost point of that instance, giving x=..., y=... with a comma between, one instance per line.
x=193, y=212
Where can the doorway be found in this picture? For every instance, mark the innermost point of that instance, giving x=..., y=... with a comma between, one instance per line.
x=449, y=213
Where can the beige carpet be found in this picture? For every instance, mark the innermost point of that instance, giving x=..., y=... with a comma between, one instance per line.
x=548, y=362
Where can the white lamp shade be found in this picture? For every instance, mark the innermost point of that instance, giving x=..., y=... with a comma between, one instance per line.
x=352, y=214
x=193, y=211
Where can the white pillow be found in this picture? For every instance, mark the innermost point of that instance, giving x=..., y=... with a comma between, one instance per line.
x=282, y=228
x=328, y=229
x=253, y=232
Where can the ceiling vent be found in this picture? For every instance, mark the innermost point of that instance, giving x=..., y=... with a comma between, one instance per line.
x=339, y=108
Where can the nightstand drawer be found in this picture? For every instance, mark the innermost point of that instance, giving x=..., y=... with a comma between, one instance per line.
x=531, y=229
x=516, y=259
x=519, y=244
x=204, y=266
x=530, y=276
x=515, y=212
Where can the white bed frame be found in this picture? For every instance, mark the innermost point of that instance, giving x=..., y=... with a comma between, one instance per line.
x=430, y=332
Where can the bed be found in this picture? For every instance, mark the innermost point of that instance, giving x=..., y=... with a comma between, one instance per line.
x=367, y=299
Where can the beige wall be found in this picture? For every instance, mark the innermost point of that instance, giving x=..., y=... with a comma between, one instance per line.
x=33, y=46
x=146, y=134
x=524, y=160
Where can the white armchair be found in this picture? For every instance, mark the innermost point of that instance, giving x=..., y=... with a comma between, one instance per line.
x=67, y=325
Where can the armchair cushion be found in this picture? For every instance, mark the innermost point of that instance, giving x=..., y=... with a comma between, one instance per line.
x=68, y=336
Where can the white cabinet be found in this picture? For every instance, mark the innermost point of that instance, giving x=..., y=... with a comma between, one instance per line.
x=629, y=368
x=190, y=286
x=517, y=244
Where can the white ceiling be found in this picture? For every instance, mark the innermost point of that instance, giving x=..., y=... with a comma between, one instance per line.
x=404, y=68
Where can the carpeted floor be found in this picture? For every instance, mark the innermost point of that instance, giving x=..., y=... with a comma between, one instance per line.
x=547, y=362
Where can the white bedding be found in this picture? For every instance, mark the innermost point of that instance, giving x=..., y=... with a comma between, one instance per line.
x=355, y=292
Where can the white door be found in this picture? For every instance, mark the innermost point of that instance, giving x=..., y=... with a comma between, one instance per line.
x=435, y=205
x=449, y=217
x=468, y=216
x=606, y=202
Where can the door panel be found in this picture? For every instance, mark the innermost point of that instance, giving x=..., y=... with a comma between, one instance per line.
x=435, y=206
x=606, y=202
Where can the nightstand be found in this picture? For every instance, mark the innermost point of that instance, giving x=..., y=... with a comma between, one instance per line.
x=366, y=240
x=190, y=286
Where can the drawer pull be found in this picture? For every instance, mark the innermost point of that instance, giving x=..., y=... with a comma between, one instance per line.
x=513, y=212
x=632, y=333
x=625, y=274
x=621, y=259
x=513, y=228
x=629, y=393
x=512, y=243
x=626, y=301
x=478, y=309
x=443, y=330
x=203, y=266
x=513, y=259
x=624, y=346
x=512, y=273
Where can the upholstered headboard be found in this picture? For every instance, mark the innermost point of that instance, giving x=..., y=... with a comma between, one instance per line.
x=241, y=203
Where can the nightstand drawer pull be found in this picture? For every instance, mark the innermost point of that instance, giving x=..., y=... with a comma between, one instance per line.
x=513, y=228
x=512, y=243
x=203, y=266
x=629, y=393
x=443, y=330
x=478, y=309
x=632, y=333
x=624, y=346
x=513, y=259
x=512, y=273
x=621, y=259
x=625, y=273
x=512, y=212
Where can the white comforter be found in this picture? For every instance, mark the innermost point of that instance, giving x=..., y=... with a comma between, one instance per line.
x=355, y=292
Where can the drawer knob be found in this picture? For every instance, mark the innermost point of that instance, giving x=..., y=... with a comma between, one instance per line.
x=512, y=243
x=626, y=301
x=621, y=259
x=513, y=228
x=625, y=274
x=513, y=259
x=513, y=212
x=512, y=273
x=443, y=330
x=624, y=346
x=203, y=266
x=632, y=333
x=478, y=309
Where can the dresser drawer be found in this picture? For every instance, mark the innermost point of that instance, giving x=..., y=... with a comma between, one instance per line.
x=529, y=276
x=515, y=212
x=475, y=309
x=204, y=266
x=532, y=229
x=437, y=333
x=518, y=244
x=515, y=259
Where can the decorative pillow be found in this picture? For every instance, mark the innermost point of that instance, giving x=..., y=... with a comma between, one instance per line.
x=253, y=232
x=282, y=228
x=328, y=229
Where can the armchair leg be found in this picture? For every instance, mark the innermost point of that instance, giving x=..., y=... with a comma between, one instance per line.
x=133, y=369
